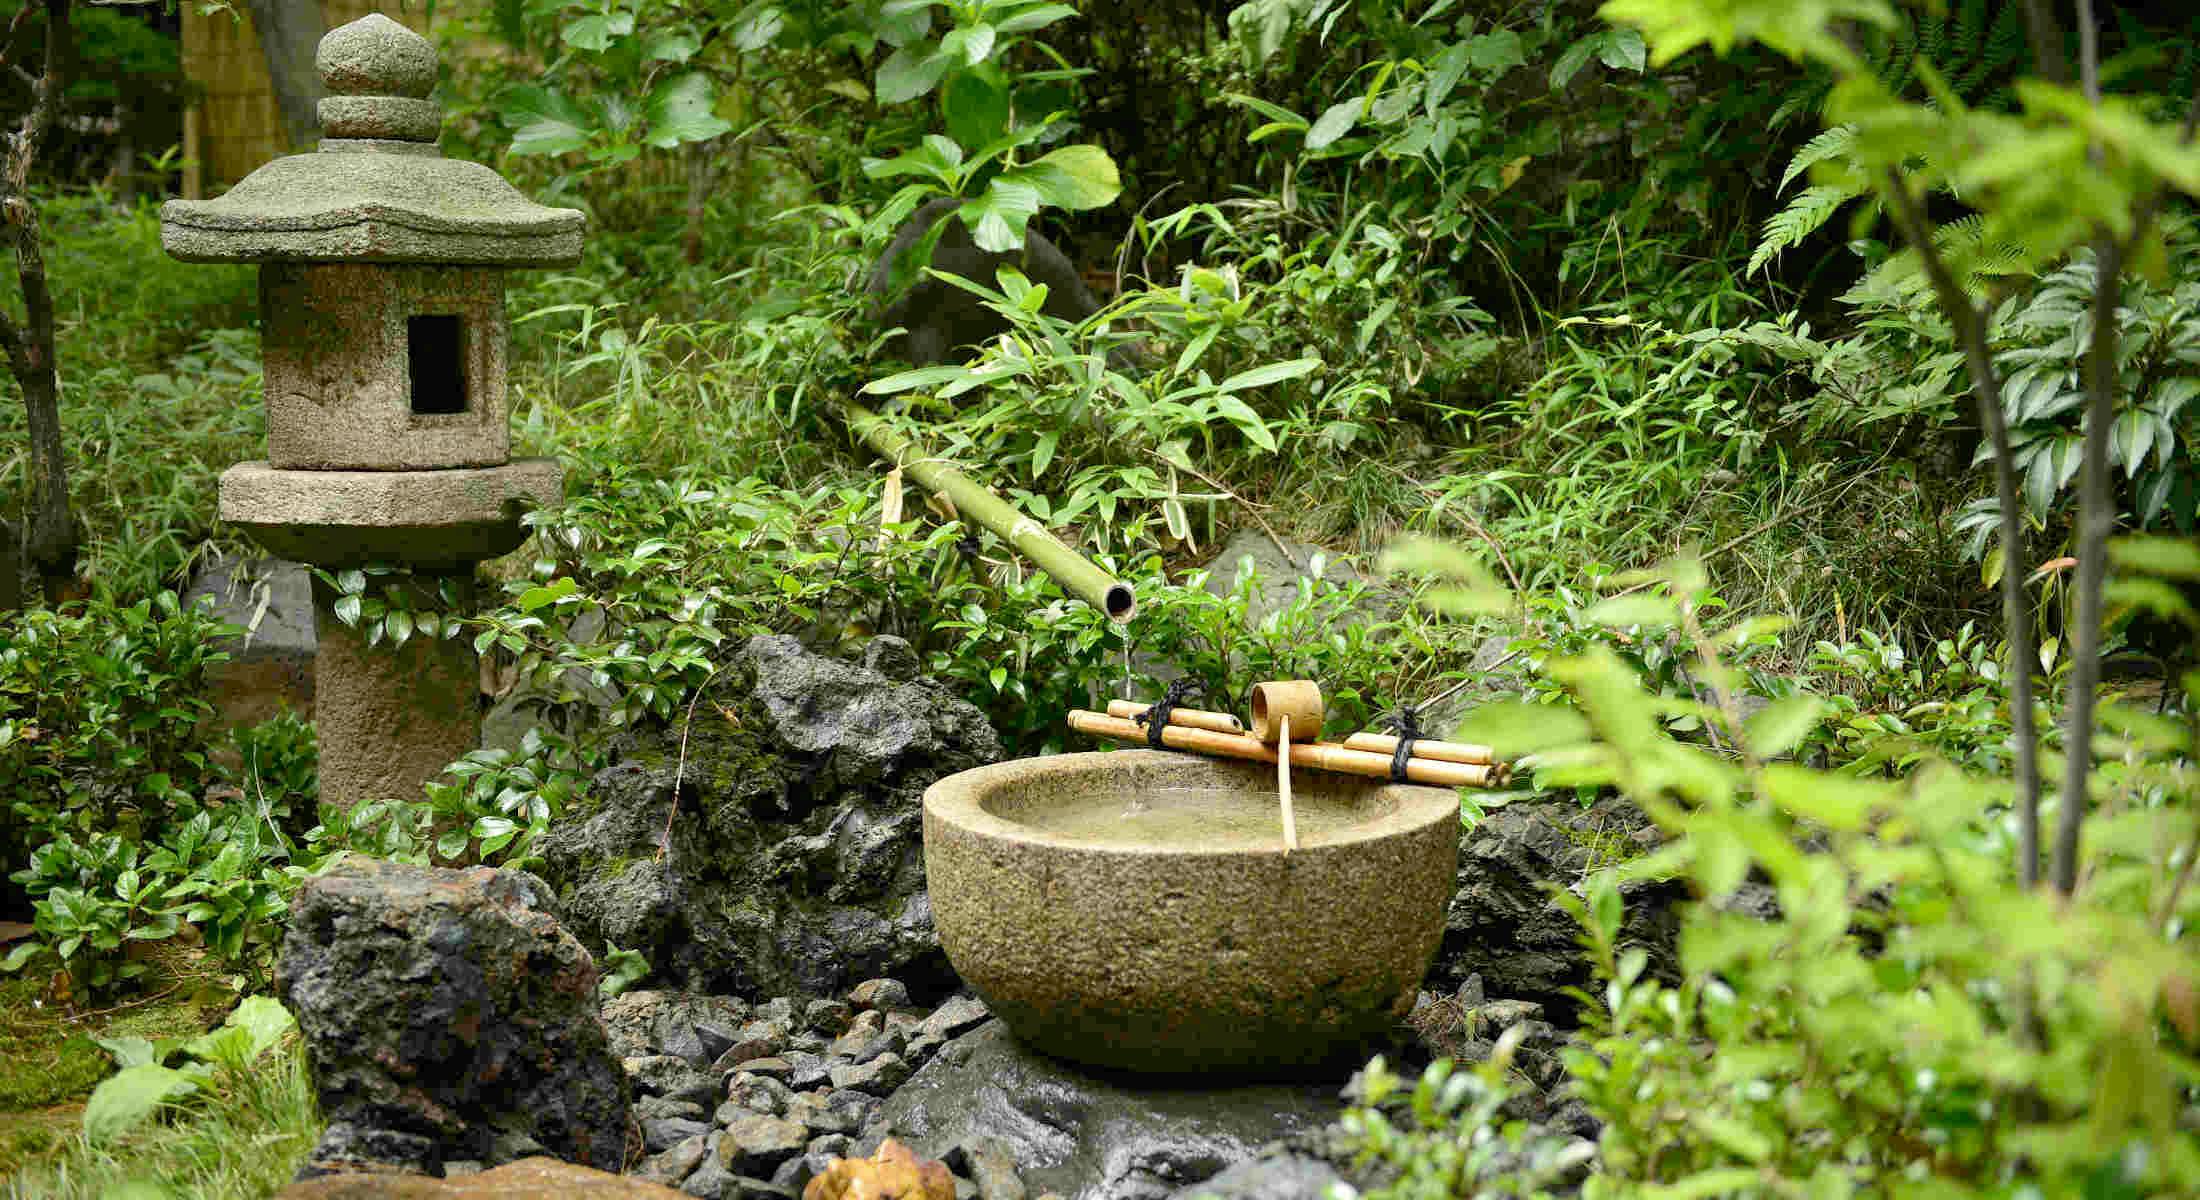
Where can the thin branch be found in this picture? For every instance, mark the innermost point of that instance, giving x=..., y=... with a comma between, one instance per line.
x=2096, y=503
x=2046, y=38
x=1969, y=324
x=2096, y=521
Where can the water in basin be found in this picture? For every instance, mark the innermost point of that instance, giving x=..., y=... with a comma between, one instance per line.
x=1194, y=818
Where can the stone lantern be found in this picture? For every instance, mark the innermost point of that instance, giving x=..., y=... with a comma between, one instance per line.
x=383, y=334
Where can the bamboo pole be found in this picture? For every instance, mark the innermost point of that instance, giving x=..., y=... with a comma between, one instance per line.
x=1457, y=752
x=973, y=502
x=1191, y=718
x=1317, y=756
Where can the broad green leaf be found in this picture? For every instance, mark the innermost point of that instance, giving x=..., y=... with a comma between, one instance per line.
x=264, y=1020
x=1623, y=50
x=1496, y=52
x=1572, y=59
x=1335, y=121
x=1260, y=26
x=1262, y=376
x=998, y=217
x=2165, y=557
x=545, y=122
x=1634, y=608
x=1842, y=803
x=1037, y=17
x=1274, y=112
x=670, y=45
x=910, y=72
x=1073, y=177
x=918, y=378
x=1443, y=76
x=758, y=27
x=129, y=1051
x=596, y=31
x=1248, y=422
x=1516, y=727
x=1782, y=725
x=127, y=1098
x=682, y=109
x=977, y=107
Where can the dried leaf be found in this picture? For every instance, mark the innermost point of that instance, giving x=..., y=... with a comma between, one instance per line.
x=889, y=502
x=894, y=1173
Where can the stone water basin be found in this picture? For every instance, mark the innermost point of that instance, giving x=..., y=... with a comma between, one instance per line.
x=1135, y=909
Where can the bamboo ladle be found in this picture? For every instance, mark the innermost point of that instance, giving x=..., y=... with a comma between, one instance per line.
x=1287, y=711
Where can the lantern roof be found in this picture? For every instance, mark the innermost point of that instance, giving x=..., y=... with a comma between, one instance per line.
x=378, y=189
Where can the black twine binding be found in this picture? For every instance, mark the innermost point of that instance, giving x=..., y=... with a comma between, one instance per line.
x=1156, y=717
x=1407, y=722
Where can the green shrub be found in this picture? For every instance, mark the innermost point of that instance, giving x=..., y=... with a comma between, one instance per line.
x=1908, y=1019
x=100, y=711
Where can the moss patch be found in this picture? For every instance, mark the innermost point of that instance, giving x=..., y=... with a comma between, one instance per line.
x=47, y=1055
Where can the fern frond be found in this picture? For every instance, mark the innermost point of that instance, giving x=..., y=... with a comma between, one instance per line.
x=1833, y=143
x=1801, y=218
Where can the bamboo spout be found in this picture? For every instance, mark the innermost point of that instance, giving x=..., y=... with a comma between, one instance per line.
x=1077, y=575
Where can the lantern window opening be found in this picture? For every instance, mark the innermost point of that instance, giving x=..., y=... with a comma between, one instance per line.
x=435, y=360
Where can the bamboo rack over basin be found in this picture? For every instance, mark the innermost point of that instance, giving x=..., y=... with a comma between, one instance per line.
x=1318, y=756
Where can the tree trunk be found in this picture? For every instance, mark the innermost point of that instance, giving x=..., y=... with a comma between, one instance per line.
x=290, y=31
x=49, y=534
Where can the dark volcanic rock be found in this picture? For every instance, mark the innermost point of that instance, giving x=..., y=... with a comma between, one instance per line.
x=795, y=864
x=1087, y=1136
x=1502, y=924
x=450, y=1006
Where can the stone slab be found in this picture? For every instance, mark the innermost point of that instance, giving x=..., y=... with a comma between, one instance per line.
x=342, y=205
x=271, y=668
x=429, y=519
x=1089, y=1135
x=527, y=1179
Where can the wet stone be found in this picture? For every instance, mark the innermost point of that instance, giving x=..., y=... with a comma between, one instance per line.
x=826, y=1017
x=671, y=1077
x=671, y=1166
x=810, y=1070
x=772, y=1067
x=710, y=1180
x=991, y=1165
x=754, y=1144
x=759, y=1093
x=879, y=993
x=879, y=1077
x=657, y=1108
x=741, y=1053
x=779, y=1009
x=959, y=1015
x=663, y=1134
x=890, y=1042
x=921, y=1049
x=862, y=1105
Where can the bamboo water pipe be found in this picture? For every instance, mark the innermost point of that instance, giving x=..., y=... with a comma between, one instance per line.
x=1456, y=752
x=1317, y=756
x=973, y=502
x=1195, y=718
